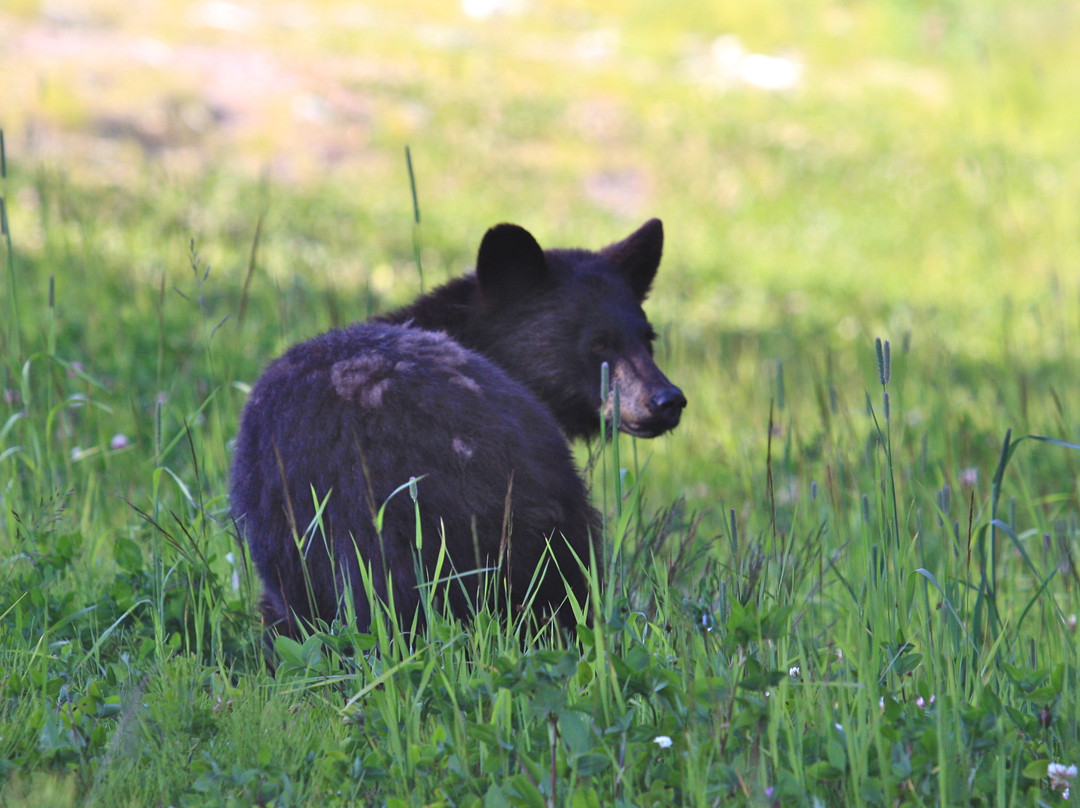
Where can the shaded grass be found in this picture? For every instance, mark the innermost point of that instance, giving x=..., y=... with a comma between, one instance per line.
x=931, y=630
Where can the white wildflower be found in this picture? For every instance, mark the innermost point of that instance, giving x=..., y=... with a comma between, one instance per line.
x=485, y=9
x=1061, y=777
x=663, y=741
x=730, y=63
x=794, y=672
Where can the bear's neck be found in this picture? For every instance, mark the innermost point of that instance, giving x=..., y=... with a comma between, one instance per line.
x=456, y=310
x=448, y=309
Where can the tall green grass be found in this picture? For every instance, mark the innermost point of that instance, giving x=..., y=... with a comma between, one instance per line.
x=870, y=627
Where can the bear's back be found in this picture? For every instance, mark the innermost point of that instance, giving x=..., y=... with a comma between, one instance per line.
x=338, y=423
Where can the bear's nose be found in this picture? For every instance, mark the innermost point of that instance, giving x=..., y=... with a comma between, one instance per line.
x=668, y=403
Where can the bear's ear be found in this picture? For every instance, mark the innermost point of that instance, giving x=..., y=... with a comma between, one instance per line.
x=637, y=257
x=510, y=263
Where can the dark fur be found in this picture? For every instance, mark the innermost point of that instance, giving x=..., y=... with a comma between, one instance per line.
x=472, y=389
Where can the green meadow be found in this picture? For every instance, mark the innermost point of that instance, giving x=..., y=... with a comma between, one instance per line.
x=848, y=578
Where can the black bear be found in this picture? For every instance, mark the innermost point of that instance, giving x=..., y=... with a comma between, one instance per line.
x=473, y=391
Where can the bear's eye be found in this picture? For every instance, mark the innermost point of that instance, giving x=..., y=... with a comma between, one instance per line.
x=601, y=345
x=650, y=338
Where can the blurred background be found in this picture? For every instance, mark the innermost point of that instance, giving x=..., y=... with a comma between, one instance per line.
x=827, y=171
